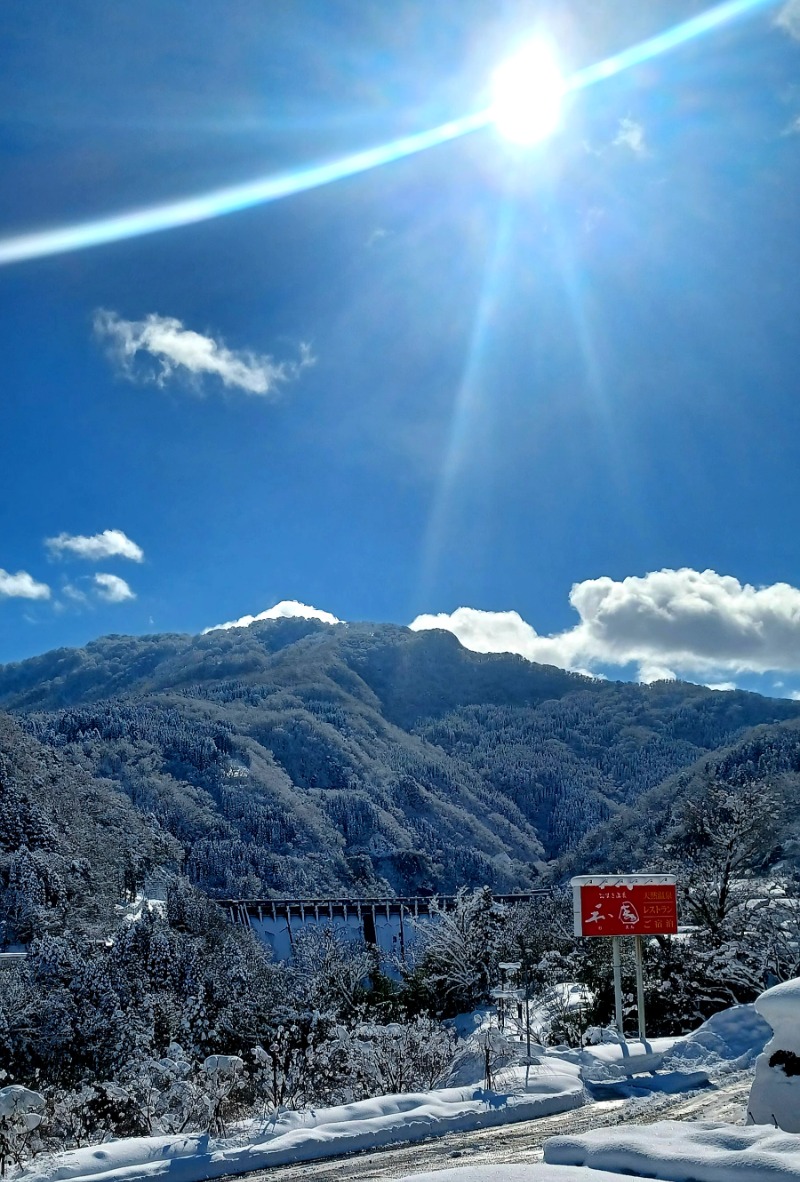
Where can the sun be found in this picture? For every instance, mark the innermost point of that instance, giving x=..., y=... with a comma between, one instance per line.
x=527, y=90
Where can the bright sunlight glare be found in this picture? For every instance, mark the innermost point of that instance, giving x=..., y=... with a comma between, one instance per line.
x=526, y=107
x=527, y=93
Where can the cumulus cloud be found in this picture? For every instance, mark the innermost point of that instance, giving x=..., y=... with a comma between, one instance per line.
x=21, y=586
x=112, y=588
x=788, y=19
x=649, y=673
x=631, y=135
x=111, y=543
x=159, y=347
x=283, y=610
x=674, y=621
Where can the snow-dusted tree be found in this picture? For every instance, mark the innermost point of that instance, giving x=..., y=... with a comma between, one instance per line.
x=457, y=950
x=722, y=835
x=329, y=972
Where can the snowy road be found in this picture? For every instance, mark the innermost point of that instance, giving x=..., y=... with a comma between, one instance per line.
x=520, y=1142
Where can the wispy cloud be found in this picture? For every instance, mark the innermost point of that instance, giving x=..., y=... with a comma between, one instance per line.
x=285, y=609
x=159, y=347
x=669, y=622
x=111, y=543
x=631, y=135
x=112, y=588
x=21, y=586
x=788, y=18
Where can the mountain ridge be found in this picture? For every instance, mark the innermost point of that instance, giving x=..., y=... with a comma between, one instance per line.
x=298, y=757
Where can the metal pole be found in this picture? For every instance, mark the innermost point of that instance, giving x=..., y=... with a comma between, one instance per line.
x=640, y=986
x=617, y=983
x=528, y=1011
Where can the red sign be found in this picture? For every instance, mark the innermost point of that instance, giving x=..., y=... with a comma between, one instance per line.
x=627, y=909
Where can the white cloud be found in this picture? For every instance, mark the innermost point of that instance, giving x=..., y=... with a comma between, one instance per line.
x=722, y=686
x=648, y=673
x=111, y=543
x=283, y=610
x=163, y=348
x=70, y=591
x=21, y=586
x=113, y=589
x=631, y=135
x=691, y=622
x=789, y=18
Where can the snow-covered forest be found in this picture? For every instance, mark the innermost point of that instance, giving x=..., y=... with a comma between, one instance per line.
x=139, y=779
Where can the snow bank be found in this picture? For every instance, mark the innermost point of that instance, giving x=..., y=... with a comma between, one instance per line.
x=678, y=1151
x=780, y=1006
x=728, y=1041
x=303, y=1136
x=775, y=1094
x=504, y=1173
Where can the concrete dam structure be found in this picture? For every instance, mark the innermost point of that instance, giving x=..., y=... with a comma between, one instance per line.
x=390, y=924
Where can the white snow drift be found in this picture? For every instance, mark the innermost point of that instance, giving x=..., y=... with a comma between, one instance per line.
x=775, y=1094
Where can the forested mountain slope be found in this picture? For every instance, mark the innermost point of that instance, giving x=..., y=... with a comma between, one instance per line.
x=70, y=842
x=295, y=757
x=761, y=772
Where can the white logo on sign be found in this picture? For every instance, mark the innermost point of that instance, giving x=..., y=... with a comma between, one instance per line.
x=628, y=913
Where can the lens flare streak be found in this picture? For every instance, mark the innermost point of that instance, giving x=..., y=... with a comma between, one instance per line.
x=203, y=207
x=706, y=22
x=229, y=200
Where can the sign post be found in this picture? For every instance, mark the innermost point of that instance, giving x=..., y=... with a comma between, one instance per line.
x=639, y=984
x=626, y=905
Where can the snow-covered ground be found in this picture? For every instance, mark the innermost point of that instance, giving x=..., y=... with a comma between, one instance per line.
x=522, y=1092
x=303, y=1136
x=681, y=1152
x=537, y=1173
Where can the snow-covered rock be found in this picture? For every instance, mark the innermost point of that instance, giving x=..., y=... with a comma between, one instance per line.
x=775, y=1094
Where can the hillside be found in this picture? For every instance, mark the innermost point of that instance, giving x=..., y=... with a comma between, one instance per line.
x=294, y=757
x=70, y=842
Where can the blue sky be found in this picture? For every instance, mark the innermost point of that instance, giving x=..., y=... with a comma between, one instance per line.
x=558, y=381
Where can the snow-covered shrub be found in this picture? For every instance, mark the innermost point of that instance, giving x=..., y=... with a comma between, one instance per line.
x=399, y=1056
x=284, y=1068
x=166, y=1091
x=94, y=1112
x=221, y=1076
x=20, y=1115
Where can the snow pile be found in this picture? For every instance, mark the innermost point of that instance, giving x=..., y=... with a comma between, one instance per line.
x=677, y=1151
x=303, y=1136
x=728, y=1041
x=504, y=1173
x=775, y=1094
